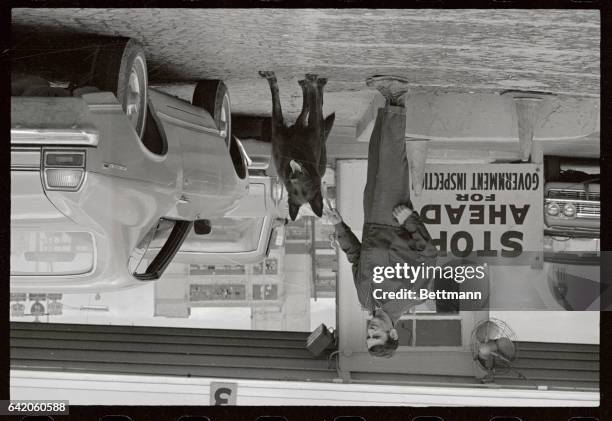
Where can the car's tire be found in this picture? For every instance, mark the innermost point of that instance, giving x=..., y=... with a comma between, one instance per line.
x=213, y=96
x=121, y=68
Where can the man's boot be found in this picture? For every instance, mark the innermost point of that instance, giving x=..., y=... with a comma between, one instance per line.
x=392, y=88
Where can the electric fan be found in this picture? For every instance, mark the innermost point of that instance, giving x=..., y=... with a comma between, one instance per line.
x=493, y=347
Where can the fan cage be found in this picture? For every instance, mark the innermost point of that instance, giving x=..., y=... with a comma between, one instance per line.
x=487, y=331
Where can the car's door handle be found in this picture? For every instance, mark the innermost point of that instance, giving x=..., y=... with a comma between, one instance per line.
x=183, y=199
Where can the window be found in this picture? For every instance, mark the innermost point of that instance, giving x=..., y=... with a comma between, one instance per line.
x=35, y=253
x=431, y=323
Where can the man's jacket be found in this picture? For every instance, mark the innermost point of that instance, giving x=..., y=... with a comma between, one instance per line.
x=385, y=245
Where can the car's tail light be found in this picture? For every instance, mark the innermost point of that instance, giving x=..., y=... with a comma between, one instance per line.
x=63, y=179
x=63, y=170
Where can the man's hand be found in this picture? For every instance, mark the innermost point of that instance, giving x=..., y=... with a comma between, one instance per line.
x=332, y=215
x=401, y=213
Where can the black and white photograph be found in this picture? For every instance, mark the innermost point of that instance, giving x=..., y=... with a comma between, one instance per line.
x=305, y=207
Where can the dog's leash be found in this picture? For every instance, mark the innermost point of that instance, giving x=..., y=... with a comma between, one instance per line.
x=333, y=240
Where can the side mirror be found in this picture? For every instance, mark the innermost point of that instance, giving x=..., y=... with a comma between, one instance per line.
x=202, y=227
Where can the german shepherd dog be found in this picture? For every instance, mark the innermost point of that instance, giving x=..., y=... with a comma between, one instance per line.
x=298, y=151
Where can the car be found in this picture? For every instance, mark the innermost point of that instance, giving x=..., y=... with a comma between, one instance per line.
x=572, y=216
x=572, y=196
x=572, y=270
x=246, y=234
x=102, y=166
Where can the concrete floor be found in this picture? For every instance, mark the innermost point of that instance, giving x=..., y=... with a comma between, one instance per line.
x=438, y=50
x=551, y=50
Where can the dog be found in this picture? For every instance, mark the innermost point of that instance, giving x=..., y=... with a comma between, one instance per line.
x=299, y=151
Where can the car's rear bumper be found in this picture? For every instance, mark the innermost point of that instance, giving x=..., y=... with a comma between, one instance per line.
x=52, y=121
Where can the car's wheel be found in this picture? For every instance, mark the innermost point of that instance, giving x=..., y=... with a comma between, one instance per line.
x=213, y=96
x=121, y=68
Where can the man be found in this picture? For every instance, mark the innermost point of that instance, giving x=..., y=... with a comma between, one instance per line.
x=393, y=232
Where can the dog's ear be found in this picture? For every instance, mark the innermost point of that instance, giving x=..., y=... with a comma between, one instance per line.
x=316, y=203
x=327, y=125
x=293, y=210
x=295, y=166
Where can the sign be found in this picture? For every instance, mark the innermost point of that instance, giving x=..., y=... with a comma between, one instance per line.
x=18, y=297
x=17, y=310
x=55, y=308
x=217, y=292
x=223, y=394
x=493, y=212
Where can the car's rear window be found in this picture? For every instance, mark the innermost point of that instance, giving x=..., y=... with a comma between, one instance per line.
x=36, y=253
